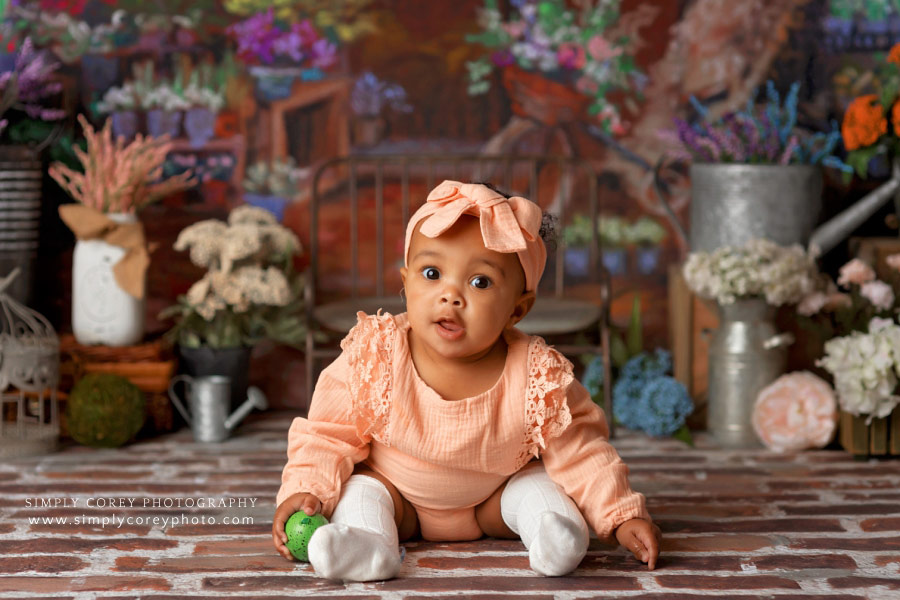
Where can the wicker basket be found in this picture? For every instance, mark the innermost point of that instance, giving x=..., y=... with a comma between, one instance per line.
x=880, y=438
x=537, y=97
x=149, y=366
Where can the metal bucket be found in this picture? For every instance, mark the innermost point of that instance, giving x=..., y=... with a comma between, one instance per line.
x=732, y=204
x=21, y=179
x=746, y=353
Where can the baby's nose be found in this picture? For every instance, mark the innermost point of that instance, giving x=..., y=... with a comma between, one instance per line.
x=450, y=295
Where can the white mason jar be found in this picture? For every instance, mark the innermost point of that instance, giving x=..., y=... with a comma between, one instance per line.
x=102, y=312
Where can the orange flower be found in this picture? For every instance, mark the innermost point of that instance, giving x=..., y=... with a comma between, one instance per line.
x=894, y=55
x=864, y=122
x=895, y=118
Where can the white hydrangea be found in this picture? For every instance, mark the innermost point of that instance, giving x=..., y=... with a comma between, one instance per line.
x=865, y=367
x=784, y=275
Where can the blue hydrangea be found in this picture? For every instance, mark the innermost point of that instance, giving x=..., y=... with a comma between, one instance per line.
x=592, y=379
x=626, y=395
x=647, y=365
x=662, y=406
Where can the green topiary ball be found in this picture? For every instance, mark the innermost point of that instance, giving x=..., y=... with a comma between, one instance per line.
x=105, y=410
x=299, y=529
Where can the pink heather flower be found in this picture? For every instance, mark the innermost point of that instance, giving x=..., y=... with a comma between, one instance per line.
x=570, y=56
x=878, y=293
x=893, y=261
x=812, y=304
x=602, y=50
x=855, y=271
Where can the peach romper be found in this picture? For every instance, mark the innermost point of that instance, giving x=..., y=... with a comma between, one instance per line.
x=447, y=457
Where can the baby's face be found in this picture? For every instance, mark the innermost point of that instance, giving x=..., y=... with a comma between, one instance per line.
x=459, y=294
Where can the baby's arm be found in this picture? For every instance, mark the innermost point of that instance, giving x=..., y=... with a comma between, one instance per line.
x=322, y=451
x=308, y=503
x=590, y=470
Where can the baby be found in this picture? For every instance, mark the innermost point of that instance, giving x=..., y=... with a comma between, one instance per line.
x=448, y=422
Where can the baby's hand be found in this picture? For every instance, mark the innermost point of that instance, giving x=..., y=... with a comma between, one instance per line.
x=305, y=502
x=642, y=538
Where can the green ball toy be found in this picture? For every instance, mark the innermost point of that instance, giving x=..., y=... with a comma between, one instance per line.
x=299, y=529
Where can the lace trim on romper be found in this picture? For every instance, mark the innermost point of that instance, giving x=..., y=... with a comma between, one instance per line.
x=370, y=347
x=546, y=410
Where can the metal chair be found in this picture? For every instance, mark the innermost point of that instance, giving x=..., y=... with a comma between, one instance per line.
x=561, y=308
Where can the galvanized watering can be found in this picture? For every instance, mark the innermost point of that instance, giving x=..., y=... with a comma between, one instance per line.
x=209, y=398
x=733, y=203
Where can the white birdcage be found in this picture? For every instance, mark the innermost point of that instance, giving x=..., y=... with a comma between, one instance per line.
x=29, y=373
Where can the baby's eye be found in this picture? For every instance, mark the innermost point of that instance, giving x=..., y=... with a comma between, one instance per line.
x=481, y=282
x=431, y=273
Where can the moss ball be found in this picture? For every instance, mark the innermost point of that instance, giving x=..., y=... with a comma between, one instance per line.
x=105, y=410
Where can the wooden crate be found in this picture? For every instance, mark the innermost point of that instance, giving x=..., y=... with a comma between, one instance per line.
x=880, y=438
x=691, y=320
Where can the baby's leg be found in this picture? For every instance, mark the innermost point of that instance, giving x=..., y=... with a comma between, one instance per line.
x=549, y=523
x=360, y=543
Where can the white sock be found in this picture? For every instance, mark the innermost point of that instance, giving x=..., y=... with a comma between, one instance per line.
x=360, y=542
x=550, y=525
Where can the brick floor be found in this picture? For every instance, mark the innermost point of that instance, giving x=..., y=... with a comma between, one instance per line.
x=736, y=524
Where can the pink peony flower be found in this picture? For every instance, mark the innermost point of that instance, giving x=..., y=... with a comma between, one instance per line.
x=878, y=293
x=893, y=261
x=602, y=50
x=570, y=56
x=795, y=412
x=855, y=271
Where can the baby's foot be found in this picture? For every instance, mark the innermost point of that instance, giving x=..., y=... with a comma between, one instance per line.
x=342, y=553
x=558, y=547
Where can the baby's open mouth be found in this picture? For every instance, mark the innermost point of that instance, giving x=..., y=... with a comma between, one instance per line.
x=450, y=325
x=449, y=329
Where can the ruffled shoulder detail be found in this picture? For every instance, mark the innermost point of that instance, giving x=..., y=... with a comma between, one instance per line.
x=369, y=348
x=546, y=409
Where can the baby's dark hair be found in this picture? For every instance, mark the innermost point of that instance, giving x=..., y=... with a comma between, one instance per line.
x=548, y=221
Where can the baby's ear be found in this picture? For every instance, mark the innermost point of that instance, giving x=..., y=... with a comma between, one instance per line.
x=403, y=272
x=522, y=308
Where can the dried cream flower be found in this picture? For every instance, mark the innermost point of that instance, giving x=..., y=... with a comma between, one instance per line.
x=247, y=214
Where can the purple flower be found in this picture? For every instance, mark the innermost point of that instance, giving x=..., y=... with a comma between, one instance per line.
x=324, y=53
x=503, y=58
x=32, y=78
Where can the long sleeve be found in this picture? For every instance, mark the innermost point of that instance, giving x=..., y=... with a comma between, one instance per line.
x=585, y=464
x=323, y=448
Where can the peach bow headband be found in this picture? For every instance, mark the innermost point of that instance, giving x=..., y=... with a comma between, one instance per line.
x=507, y=224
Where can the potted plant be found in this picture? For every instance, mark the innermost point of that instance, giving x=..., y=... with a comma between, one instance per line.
x=272, y=185
x=280, y=52
x=28, y=122
x=746, y=351
x=163, y=105
x=612, y=230
x=120, y=102
x=249, y=293
x=559, y=61
x=754, y=173
x=854, y=321
x=110, y=260
x=368, y=100
x=200, y=118
x=646, y=234
x=577, y=238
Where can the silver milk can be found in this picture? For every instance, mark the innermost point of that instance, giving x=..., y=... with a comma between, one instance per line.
x=746, y=353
